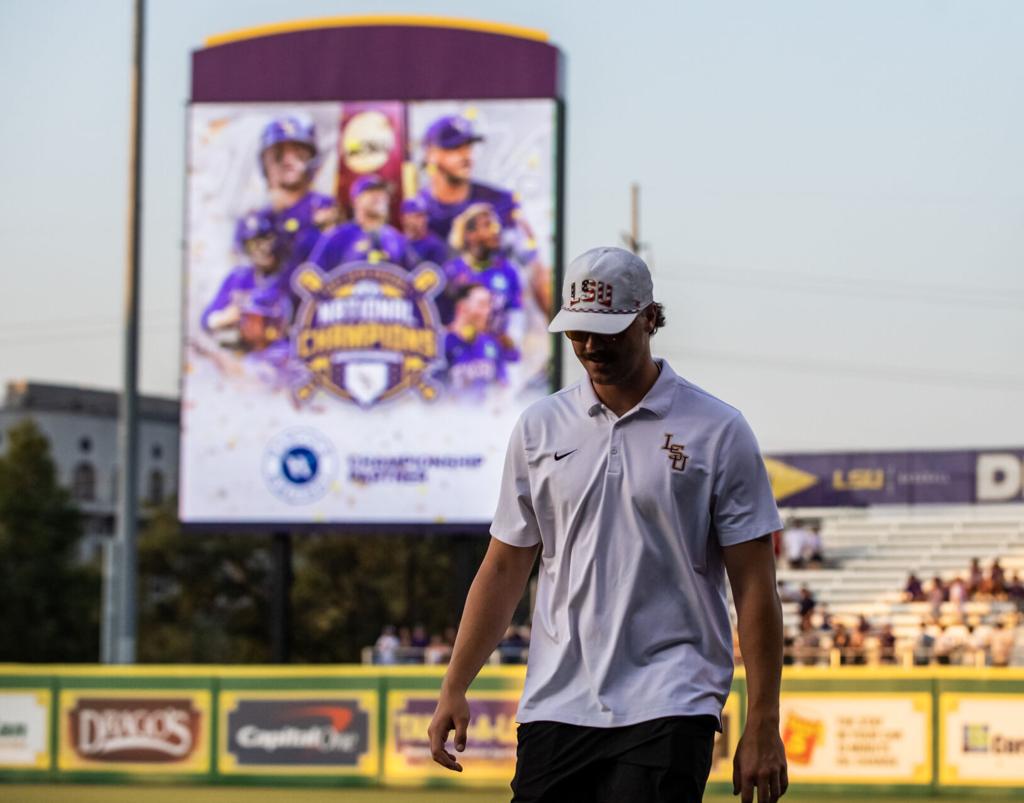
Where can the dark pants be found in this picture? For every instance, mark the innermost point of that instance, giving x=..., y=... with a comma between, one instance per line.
x=662, y=760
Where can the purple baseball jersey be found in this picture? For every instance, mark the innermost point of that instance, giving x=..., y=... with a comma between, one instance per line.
x=430, y=249
x=296, y=225
x=250, y=292
x=440, y=216
x=501, y=277
x=475, y=361
x=349, y=243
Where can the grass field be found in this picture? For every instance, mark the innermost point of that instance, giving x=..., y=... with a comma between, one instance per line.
x=68, y=793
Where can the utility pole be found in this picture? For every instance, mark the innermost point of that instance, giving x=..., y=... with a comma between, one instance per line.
x=631, y=239
x=125, y=583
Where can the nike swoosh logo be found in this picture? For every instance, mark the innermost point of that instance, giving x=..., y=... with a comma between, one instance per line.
x=564, y=454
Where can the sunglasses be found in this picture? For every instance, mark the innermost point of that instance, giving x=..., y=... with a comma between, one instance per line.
x=577, y=336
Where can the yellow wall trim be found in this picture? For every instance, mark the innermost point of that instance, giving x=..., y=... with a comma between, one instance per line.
x=363, y=20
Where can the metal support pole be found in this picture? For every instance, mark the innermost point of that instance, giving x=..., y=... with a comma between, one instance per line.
x=280, y=598
x=108, y=628
x=128, y=425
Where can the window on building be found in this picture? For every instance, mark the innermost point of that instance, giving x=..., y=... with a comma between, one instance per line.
x=83, y=482
x=85, y=444
x=155, y=488
x=156, y=451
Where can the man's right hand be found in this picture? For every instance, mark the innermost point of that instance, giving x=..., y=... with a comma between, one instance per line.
x=452, y=713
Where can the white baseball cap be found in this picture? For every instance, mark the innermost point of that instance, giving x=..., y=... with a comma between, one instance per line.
x=604, y=290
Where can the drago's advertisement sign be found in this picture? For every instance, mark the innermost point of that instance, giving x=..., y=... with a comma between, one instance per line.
x=145, y=731
x=299, y=733
x=368, y=291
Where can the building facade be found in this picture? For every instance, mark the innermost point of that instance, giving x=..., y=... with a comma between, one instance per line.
x=81, y=426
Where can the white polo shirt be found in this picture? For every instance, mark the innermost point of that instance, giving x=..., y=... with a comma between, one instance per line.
x=631, y=620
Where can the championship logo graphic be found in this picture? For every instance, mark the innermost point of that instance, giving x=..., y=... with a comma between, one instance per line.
x=367, y=332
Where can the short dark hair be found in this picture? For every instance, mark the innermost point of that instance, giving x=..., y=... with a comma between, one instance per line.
x=464, y=290
x=659, y=320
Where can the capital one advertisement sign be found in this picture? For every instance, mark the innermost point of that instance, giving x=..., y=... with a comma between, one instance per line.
x=299, y=733
x=164, y=732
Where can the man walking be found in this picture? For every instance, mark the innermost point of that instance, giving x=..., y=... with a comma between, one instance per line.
x=640, y=492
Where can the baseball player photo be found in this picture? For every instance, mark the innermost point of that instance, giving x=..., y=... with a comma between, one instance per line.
x=289, y=160
x=475, y=356
x=476, y=238
x=368, y=237
x=427, y=245
x=641, y=494
x=247, y=313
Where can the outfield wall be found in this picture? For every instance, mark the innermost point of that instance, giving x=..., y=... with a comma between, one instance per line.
x=913, y=731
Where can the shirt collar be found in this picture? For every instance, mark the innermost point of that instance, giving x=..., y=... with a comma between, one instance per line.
x=658, y=399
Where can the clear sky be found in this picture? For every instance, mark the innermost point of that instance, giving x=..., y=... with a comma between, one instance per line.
x=833, y=194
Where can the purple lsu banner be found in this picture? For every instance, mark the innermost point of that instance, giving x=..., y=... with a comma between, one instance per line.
x=859, y=479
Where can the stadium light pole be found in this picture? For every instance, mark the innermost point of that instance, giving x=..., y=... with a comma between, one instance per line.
x=126, y=556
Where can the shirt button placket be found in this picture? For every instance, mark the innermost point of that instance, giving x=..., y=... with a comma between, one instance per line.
x=615, y=450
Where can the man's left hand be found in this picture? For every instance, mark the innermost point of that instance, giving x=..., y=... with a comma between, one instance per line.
x=760, y=764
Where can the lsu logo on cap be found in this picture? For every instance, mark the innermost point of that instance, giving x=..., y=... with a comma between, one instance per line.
x=591, y=291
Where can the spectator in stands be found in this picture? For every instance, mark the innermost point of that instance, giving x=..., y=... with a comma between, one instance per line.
x=924, y=646
x=419, y=638
x=806, y=644
x=857, y=650
x=788, y=646
x=814, y=553
x=407, y=654
x=974, y=577
x=937, y=594
x=512, y=648
x=948, y=646
x=913, y=591
x=786, y=592
x=1015, y=591
x=826, y=618
x=863, y=625
x=887, y=645
x=795, y=541
x=436, y=652
x=957, y=593
x=385, y=651
x=807, y=602
x=997, y=575
x=1001, y=647
x=841, y=642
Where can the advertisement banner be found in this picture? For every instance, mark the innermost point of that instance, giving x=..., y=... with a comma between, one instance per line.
x=859, y=479
x=490, y=755
x=152, y=731
x=726, y=741
x=858, y=737
x=25, y=728
x=981, y=739
x=299, y=733
x=368, y=291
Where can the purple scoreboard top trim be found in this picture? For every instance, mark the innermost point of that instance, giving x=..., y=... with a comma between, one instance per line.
x=374, y=62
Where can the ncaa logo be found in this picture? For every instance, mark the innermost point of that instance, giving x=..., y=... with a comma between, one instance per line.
x=299, y=466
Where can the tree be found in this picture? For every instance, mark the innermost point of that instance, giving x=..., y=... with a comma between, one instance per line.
x=49, y=601
x=203, y=597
